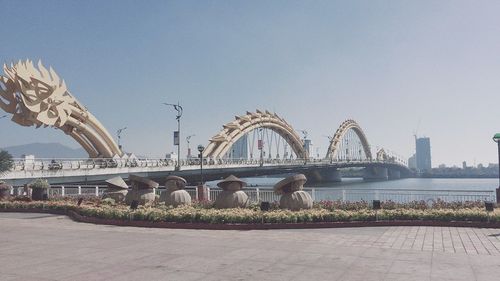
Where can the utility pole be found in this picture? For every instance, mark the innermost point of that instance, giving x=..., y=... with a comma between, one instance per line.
x=260, y=146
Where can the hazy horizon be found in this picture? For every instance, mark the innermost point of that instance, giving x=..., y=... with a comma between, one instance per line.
x=386, y=64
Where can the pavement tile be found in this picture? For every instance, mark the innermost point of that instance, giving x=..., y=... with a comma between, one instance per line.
x=55, y=248
x=410, y=267
x=450, y=258
x=415, y=256
x=446, y=271
x=406, y=277
x=362, y=275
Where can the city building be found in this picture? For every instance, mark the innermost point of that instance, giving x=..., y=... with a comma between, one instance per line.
x=239, y=150
x=171, y=156
x=308, y=145
x=412, y=162
x=423, y=154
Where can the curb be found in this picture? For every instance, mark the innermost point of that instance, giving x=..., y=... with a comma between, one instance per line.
x=264, y=226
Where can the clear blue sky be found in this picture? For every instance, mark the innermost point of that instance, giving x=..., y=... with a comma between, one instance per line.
x=386, y=64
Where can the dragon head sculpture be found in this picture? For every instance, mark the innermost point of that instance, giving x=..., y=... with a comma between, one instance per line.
x=37, y=97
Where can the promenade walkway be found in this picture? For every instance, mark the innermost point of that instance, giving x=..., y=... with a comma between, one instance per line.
x=50, y=247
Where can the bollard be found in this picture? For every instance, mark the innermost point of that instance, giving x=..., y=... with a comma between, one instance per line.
x=28, y=190
x=203, y=193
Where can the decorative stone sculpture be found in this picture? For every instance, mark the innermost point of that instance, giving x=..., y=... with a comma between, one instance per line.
x=37, y=97
x=117, y=189
x=293, y=197
x=232, y=196
x=175, y=195
x=142, y=190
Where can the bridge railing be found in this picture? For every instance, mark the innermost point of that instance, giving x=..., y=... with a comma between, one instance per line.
x=266, y=194
x=106, y=163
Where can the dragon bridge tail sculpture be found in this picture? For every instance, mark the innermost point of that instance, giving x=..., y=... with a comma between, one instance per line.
x=37, y=97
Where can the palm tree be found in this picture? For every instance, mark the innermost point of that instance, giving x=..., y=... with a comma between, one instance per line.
x=5, y=161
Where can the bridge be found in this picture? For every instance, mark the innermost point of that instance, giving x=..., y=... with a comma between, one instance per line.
x=87, y=171
x=37, y=97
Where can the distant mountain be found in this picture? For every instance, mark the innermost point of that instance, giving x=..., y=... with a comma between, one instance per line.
x=46, y=150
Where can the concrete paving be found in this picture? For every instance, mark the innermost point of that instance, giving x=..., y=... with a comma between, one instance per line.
x=50, y=247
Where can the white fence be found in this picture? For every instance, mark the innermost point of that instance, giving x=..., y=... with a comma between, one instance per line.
x=318, y=194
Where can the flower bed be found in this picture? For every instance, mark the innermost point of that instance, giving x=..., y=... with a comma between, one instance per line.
x=204, y=213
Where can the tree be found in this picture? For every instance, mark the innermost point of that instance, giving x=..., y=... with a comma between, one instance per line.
x=6, y=161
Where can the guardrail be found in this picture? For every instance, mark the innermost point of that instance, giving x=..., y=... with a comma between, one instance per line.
x=266, y=194
x=105, y=163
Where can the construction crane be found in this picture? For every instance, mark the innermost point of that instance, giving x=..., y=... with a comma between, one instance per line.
x=304, y=133
x=188, y=139
x=415, y=133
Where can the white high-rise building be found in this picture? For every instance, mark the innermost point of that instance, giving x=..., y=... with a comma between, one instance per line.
x=239, y=150
x=308, y=146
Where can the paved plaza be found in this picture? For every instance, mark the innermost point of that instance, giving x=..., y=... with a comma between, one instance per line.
x=50, y=247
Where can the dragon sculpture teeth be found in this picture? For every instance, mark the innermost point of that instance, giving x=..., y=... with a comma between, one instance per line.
x=38, y=97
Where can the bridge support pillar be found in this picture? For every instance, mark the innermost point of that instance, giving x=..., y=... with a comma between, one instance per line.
x=324, y=175
x=394, y=174
x=376, y=173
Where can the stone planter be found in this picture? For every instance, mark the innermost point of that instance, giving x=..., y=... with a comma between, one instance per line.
x=142, y=190
x=292, y=195
x=177, y=198
x=296, y=200
x=117, y=190
x=143, y=196
x=232, y=199
x=175, y=195
x=116, y=194
x=232, y=196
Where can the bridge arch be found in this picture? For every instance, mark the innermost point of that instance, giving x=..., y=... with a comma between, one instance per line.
x=221, y=143
x=335, y=142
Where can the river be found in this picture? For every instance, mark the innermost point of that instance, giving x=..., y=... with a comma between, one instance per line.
x=410, y=183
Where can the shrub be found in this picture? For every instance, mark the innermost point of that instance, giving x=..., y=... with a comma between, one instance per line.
x=40, y=183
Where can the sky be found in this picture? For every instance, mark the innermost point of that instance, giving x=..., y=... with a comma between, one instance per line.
x=396, y=67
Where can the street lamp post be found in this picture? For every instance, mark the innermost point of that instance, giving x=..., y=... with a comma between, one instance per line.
x=177, y=135
x=496, y=138
x=119, y=135
x=200, y=149
x=260, y=146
